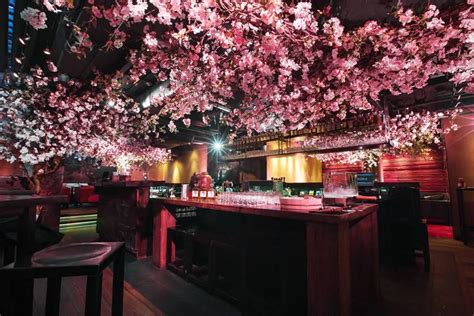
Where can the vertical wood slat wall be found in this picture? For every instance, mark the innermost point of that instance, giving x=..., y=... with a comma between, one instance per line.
x=430, y=172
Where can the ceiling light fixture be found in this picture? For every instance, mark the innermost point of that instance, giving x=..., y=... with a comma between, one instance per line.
x=223, y=108
x=217, y=145
x=46, y=51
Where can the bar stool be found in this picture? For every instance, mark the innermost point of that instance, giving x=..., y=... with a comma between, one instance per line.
x=44, y=237
x=198, y=256
x=178, y=250
x=8, y=250
x=227, y=270
x=6, y=245
x=78, y=259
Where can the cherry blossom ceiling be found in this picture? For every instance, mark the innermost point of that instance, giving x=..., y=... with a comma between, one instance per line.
x=278, y=66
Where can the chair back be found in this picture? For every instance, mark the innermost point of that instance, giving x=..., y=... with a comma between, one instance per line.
x=405, y=204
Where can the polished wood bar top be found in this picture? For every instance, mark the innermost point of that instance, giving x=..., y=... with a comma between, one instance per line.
x=333, y=215
x=30, y=200
x=128, y=184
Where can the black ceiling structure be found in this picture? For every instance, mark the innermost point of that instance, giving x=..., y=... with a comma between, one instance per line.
x=438, y=94
x=3, y=34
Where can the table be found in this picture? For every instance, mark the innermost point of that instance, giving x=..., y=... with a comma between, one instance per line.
x=341, y=250
x=24, y=206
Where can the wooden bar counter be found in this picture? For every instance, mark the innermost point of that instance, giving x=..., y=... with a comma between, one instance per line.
x=123, y=214
x=341, y=254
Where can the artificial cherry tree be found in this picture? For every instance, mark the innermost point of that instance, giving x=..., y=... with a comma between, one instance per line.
x=48, y=118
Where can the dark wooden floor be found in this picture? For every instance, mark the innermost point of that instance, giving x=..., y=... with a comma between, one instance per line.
x=149, y=290
x=447, y=290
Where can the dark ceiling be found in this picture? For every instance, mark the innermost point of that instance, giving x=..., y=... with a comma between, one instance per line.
x=352, y=12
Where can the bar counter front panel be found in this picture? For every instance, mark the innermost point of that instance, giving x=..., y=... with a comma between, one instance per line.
x=124, y=214
x=331, y=260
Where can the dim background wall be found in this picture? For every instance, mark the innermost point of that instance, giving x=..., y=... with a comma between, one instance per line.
x=460, y=160
x=186, y=161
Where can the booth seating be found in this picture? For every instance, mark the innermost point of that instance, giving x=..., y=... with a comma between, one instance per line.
x=436, y=208
x=55, y=262
x=68, y=192
x=85, y=194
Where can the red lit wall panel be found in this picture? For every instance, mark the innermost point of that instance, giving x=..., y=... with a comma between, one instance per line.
x=430, y=172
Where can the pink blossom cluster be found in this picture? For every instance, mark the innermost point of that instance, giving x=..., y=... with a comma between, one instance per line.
x=34, y=17
x=50, y=118
x=368, y=157
x=419, y=133
x=413, y=133
x=289, y=66
x=56, y=5
x=361, y=137
x=124, y=153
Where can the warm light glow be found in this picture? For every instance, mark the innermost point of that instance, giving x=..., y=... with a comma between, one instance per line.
x=295, y=168
x=182, y=167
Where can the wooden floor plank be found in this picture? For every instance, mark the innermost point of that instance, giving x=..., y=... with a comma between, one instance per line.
x=73, y=298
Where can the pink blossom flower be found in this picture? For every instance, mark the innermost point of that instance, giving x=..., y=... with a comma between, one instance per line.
x=299, y=24
x=172, y=127
x=187, y=122
x=34, y=17
x=405, y=17
x=302, y=10
x=96, y=12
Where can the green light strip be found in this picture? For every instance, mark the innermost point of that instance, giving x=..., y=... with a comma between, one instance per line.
x=77, y=228
x=78, y=218
x=78, y=224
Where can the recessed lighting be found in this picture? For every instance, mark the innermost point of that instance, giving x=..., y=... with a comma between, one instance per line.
x=19, y=60
x=47, y=51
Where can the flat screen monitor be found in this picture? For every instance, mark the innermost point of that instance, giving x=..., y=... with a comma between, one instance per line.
x=365, y=179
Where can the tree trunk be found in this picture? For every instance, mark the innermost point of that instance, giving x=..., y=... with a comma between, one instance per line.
x=48, y=182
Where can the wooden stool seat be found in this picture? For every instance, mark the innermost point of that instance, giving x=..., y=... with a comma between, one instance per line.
x=77, y=259
x=72, y=254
